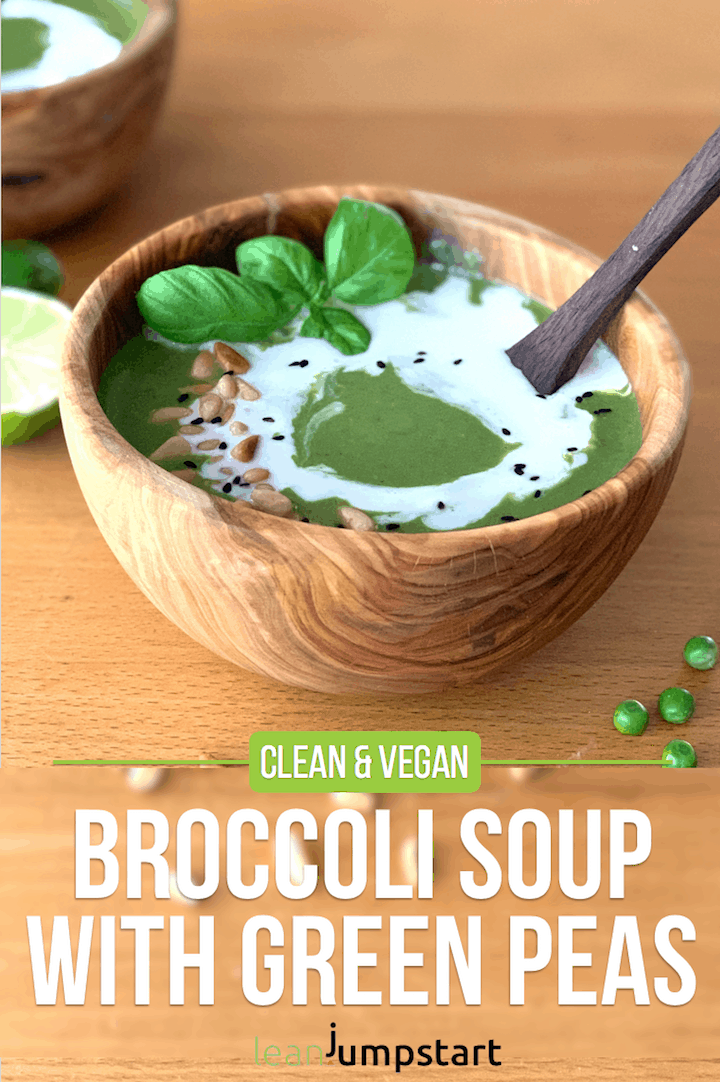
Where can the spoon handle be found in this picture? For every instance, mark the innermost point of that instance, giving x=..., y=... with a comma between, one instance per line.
x=552, y=353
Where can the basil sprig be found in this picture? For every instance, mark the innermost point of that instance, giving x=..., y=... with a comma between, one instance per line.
x=369, y=259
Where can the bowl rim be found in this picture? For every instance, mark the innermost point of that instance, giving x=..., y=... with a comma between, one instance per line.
x=78, y=392
x=159, y=21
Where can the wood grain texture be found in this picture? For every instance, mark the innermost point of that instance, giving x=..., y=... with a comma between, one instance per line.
x=349, y=611
x=237, y=1070
x=551, y=354
x=80, y=138
x=681, y=876
x=91, y=668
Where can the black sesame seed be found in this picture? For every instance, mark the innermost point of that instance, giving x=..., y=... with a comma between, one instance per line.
x=418, y=360
x=519, y=469
x=222, y=446
x=441, y=505
x=508, y=518
x=268, y=418
x=190, y=465
x=421, y=352
x=340, y=525
x=587, y=492
x=381, y=364
x=588, y=394
x=578, y=398
x=236, y=480
x=183, y=397
x=607, y=410
x=229, y=372
x=393, y=526
x=506, y=432
x=244, y=484
x=278, y=437
x=197, y=421
x=216, y=420
x=540, y=396
x=538, y=494
x=294, y=364
x=304, y=364
x=458, y=361
x=572, y=448
x=227, y=487
x=304, y=519
x=536, y=477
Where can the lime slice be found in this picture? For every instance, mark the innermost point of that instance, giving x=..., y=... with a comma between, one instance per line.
x=28, y=264
x=33, y=331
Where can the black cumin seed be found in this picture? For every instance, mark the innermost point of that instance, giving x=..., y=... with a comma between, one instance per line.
x=607, y=410
x=268, y=418
x=572, y=448
x=418, y=360
x=236, y=480
x=519, y=469
x=508, y=518
x=227, y=487
x=588, y=394
x=278, y=437
x=183, y=397
x=538, y=493
x=190, y=465
x=197, y=421
x=222, y=447
x=216, y=421
x=506, y=432
x=381, y=364
x=304, y=519
x=536, y=477
x=304, y=364
x=393, y=526
x=540, y=396
x=458, y=361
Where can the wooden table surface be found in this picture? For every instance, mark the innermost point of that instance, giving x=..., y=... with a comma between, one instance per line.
x=273, y=96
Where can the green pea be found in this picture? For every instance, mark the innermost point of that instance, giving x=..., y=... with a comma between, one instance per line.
x=701, y=652
x=676, y=705
x=630, y=717
x=679, y=753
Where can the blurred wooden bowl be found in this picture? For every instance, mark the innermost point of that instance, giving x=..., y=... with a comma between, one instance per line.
x=68, y=147
x=335, y=610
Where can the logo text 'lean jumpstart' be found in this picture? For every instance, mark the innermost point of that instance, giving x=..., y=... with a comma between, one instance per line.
x=379, y=1055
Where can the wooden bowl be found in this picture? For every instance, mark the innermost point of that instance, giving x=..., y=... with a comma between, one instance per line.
x=68, y=147
x=335, y=610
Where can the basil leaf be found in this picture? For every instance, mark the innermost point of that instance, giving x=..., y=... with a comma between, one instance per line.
x=369, y=256
x=195, y=304
x=340, y=328
x=281, y=263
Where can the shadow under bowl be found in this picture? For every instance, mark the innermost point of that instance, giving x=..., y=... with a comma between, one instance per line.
x=68, y=147
x=342, y=611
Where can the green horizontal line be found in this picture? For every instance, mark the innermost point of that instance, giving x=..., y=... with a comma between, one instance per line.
x=573, y=762
x=246, y=762
x=151, y=762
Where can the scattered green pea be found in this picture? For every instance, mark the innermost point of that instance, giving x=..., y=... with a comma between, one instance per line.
x=676, y=705
x=679, y=753
x=701, y=652
x=630, y=717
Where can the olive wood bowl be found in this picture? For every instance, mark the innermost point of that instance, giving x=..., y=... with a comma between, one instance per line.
x=343, y=611
x=68, y=147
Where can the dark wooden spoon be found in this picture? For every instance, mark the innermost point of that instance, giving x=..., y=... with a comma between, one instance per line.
x=551, y=354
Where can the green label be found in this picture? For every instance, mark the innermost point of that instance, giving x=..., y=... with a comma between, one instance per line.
x=377, y=762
